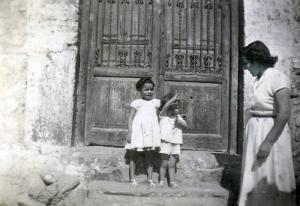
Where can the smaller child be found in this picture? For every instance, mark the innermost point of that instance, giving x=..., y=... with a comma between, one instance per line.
x=171, y=124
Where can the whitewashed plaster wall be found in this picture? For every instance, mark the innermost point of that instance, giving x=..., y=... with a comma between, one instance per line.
x=13, y=70
x=51, y=46
x=38, y=48
x=273, y=22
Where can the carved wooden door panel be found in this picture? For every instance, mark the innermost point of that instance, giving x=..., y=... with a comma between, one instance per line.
x=196, y=65
x=122, y=51
x=183, y=44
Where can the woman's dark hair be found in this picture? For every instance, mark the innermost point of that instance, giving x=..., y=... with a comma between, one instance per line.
x=142, y=81
x=259, y=52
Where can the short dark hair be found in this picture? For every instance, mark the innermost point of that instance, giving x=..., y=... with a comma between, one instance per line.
x=258, y=52
x=142, y=81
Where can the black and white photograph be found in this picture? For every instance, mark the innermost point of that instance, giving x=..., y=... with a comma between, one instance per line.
x=150, y=102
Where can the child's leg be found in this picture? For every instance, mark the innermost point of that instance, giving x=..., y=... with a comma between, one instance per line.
x=132, y=157
x=163, y=166
x=171, y=167
x=149, y=164
x=174, y=158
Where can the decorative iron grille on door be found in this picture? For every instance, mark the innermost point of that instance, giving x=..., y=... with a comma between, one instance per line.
x=194, y=36
x=125, y=34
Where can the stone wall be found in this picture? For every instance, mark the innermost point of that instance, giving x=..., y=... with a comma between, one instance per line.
x=38, y=51
x=37, y=57
x=276, y=23
x=51, y=46
x=295, y=118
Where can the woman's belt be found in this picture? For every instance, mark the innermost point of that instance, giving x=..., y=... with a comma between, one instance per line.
x=262, y=114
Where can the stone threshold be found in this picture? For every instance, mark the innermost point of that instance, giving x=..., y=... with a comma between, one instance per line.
x=121, y=193
x=125, y=189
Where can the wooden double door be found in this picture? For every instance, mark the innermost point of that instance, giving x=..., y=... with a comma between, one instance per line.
x=184, y=45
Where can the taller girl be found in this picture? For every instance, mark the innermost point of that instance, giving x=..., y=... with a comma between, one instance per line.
x=143, y=128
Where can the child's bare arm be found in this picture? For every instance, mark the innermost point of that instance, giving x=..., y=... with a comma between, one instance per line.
x=165, y=108
x=130, y=119
x=181, y=122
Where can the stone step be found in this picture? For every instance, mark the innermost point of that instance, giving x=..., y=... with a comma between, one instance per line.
x=118, y=193
x=108, y=163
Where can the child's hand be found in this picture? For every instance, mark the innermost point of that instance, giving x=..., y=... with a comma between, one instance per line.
x=181, y=121
x=184, y=117
x=128, y=138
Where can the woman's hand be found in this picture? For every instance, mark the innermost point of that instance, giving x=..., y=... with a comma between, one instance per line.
x=262, y=154
x=264, y=150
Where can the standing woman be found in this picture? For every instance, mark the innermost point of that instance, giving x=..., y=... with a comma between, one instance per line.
x=267, y=172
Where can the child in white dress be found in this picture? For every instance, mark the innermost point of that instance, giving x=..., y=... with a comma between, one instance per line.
x=143, y=128
x=171, y=124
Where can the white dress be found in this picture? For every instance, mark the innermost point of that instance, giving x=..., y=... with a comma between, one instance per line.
x=170, y=134
x=273, y=181
x=145, y=127
x=168, y=130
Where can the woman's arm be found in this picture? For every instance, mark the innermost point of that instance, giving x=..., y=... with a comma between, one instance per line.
x=130, y=119
x=165, y=108
x=282, y=97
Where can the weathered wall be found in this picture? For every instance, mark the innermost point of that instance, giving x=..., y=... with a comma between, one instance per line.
x=13, y=70
x=37, y=57
x=38, y=48
x=52, y=29
x=275, y=23
x=295, y=118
